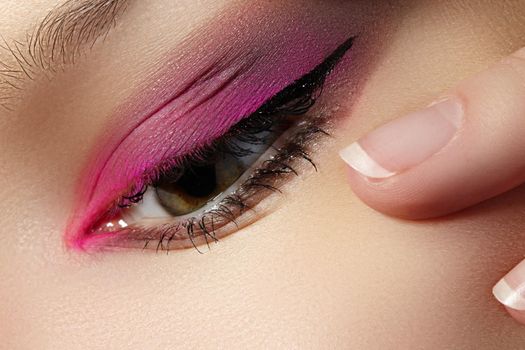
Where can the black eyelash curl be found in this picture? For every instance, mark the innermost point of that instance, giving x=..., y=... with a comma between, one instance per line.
x=264, y=181
x=295, y=100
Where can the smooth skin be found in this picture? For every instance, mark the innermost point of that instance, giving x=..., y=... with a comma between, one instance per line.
x=322, y=271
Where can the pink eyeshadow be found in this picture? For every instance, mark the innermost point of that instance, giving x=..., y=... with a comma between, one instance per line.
x=197, y=98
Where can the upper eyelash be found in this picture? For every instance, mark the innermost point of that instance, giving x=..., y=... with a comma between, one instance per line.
x=247, y=131
x=295, y=99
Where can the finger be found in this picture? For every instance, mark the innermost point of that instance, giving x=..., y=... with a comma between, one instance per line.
x=459, y=151
x=510, y=291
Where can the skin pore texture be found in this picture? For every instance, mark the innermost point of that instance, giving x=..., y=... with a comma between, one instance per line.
x=321, y=270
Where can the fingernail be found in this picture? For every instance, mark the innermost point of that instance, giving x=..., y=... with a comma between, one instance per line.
x=510, y=290
x=405, y=142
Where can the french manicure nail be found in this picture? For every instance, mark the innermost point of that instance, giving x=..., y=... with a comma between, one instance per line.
x=405, y=142
x=510, y=290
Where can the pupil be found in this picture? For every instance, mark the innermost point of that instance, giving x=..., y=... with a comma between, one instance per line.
x=199, y=181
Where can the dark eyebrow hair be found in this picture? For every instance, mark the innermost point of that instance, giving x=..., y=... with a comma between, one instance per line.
x=56, y=41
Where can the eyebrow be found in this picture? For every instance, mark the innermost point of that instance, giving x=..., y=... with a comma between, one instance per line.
x=60, y=37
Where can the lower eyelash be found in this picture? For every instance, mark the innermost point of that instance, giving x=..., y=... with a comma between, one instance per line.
x=264, y=181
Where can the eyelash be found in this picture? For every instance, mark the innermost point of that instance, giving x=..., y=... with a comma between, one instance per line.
x=263, y=181
x=294, y=101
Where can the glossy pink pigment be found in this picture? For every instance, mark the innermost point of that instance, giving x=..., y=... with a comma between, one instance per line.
x=196, y=98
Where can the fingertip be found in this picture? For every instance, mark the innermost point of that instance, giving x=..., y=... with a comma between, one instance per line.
x=380, y=160
x=516, y=314
x=361, y=162
x=389, y=196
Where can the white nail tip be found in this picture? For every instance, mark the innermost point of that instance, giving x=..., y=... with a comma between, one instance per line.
x=508, y=296
x=357, y=158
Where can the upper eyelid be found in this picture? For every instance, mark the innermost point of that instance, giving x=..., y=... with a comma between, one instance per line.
x=57, y=40
x=228, y=81
x=304, y=87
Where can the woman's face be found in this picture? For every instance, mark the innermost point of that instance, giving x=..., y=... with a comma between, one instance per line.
x=313, y=267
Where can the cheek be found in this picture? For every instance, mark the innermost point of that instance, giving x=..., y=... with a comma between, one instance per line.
x=374, y=272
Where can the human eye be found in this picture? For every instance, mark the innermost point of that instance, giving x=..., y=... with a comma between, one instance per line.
x=214, y=189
